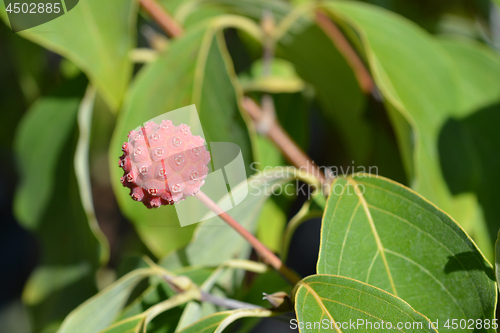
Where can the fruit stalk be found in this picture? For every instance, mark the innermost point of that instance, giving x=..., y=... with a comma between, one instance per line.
x=268, y=256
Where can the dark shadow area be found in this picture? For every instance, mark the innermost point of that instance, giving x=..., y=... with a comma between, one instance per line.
x=468, y=261
x=469, y=150
x=304, y=248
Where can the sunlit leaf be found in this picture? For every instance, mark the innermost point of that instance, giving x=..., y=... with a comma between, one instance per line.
x=281, y=79
x=97, y=36
x=419, y=79
x=99, y=312
x=129, y=325
x=379, y=232
x=334, y=303
x=217, y=322
x=82, y=169
x=478, y=72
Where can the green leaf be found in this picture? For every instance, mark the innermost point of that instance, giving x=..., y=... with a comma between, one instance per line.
x=97, y=36
x=172, y=302
x=217, y=322
x=129, y=325
x=195, y=70
x=379, y=232
x=468, y=146
x=469, y=150
x=403, y=58
x=184, y=9
x=281, y=79
x=478, y=69
x=48, y=203
x=335, y=303
x=212, y=284
x=82, y=170
x=39, y=147
x=159, y=291
x=497, y=258
x=99, y=312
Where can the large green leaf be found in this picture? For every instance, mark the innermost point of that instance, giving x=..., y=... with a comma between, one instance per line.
x=403, y=59
x=469, y=150
x=281, y=79
x=418, y=78
x=196, y=70
x=82, y=171
x=478, y=69
x=129, y=325
x=327, y=303
x=217, y=322
x=48, y=203
x=98, y=312
x=97, y=36
x=468, y=142
x=384, y=234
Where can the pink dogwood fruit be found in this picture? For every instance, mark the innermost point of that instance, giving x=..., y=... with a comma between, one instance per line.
x=163, y=164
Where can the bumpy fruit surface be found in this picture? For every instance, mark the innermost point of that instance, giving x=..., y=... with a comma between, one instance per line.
x=163, y=164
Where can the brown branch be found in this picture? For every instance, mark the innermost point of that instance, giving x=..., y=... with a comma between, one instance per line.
x=333, y=32
x=160, y=16
x=292, y=152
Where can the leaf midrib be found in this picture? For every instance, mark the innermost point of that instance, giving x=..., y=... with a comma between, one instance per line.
x=320, y=303
x=380, y=246
x=420, y=207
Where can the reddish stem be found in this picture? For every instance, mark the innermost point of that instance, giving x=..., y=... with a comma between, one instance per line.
x=344, y=47
x=260, y=248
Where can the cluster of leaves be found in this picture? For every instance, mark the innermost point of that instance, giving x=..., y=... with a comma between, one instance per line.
x=387, y=254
